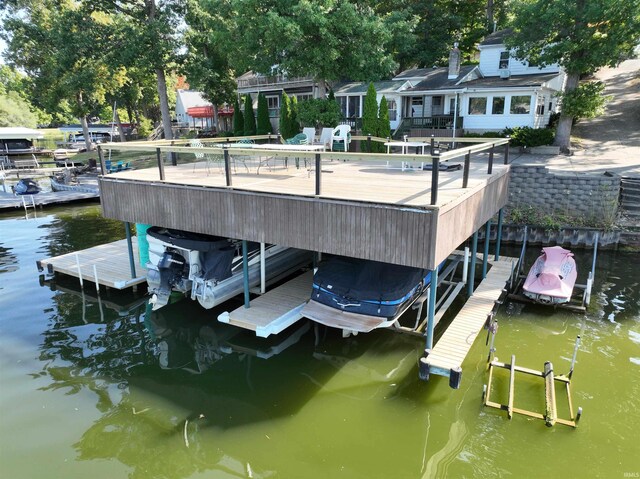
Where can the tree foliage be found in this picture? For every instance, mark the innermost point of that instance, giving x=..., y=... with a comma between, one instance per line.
x=319, y=113
x=249, y=117
x=581, y=36
x=238, y=120
x=264, y=123
x=384, y=127
x=586, y=101
x=370, y=113
x=285, y=114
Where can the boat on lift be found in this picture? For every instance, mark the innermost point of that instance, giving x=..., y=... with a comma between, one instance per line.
x=552, y=277
x=26, y=186
x=209, y=268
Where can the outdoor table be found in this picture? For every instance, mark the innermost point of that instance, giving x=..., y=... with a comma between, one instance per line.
x=405, y=145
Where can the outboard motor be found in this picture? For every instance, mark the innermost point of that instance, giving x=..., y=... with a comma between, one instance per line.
x=170, y=272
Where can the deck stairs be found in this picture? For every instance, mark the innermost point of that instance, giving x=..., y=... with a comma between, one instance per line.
x=630, y=197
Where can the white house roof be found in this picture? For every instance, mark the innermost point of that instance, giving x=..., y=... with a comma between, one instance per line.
x=19, y=133
x=382, y=87
x=191, y=98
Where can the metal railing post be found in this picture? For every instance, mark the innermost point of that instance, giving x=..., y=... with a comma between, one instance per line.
x=227, y=166
x=160, y=163
x=435, y=175
x=101, y=158
x=465, y=174
x=173, y=156
x=490, y=168
x=132, y=264
x=433, y=143
x=506, y=152
x=369, y=143
x=318, y=174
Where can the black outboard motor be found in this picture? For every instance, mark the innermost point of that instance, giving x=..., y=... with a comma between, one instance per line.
x=26, y=186
x=171, y=270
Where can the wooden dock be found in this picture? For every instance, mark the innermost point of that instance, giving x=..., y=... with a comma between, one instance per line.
x=275, y=310
x=448, y=354
x=111, y=261
x=9, y=201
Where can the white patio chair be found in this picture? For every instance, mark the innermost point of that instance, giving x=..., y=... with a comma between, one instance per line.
x=341, y=137
x=326, y=138
x=310, y=133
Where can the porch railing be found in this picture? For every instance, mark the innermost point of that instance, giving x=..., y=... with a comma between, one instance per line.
x=271, y=80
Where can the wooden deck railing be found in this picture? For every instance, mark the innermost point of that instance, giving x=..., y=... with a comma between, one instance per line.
x=433, y=152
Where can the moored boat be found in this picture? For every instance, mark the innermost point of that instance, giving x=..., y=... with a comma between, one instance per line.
x=552, y=277
x=26, y=186
x=209, y=268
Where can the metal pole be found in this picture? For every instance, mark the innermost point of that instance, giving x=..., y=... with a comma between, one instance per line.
x=227, y=166
x=490, y=168
x=465, y=174
x=318, y=174
x=431, y=310
x=160, y=163
x=506, y=152
x=95, y=277
x=455, y=120
x=79, y=271
x=132, y=265
x=263, y=269
x=245, y=271
x=595, y=255
x=472, y=269
x=465, y=264
x=435, y=175
x=499, y=233
x=101, y=158
x=369, y=143
x=485, y=255
x=173, y=156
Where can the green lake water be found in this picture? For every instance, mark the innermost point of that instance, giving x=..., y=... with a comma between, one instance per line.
x=103, y=390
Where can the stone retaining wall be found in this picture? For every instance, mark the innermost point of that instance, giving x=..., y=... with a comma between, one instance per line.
x=592, y=197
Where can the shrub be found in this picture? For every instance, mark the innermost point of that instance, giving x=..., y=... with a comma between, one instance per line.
x=264, y=124
x=145, y=127
x=384, y=129
x=249, y=117
x=238, y=120
x=530, y=137
x=370, y=114
x=319, y=113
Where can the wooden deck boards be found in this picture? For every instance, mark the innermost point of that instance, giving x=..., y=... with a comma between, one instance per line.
x=353, y=181
x=9, y=201
x=452, y=348
x=111, y=261
x=275, y=310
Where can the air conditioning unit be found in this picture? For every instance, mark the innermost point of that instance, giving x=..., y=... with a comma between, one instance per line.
x=505, y=73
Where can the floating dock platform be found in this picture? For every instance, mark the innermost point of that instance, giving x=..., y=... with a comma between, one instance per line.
x=448, y=354
x=10, y=201
x=107, y=263
x=275, y=310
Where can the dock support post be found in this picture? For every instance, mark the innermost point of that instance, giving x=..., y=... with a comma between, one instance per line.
x=132, y=265
x=472, y=268
x=431, y=309
x=79, y=272
x=499, y=233
x=101, y=159
x=263, y=270
x=245, y=271
x=490, y=167
x=485, y=255
x=550, y=395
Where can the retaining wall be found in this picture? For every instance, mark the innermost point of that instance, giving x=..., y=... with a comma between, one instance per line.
x=584, y=195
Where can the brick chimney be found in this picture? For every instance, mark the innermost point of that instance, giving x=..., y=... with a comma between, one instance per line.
x=454, y=62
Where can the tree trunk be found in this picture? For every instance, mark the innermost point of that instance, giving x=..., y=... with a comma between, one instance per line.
x=123, y=138
x=563, y=130
x=84, y=124
x=130, y=114
x=164, y=104
x=215, y=118
x=490, y=15
x=322, y=88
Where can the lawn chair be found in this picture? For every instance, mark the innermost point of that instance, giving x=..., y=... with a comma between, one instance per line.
x=310, y=133
x=209, y=159
x=326, y=138
x=341, y=138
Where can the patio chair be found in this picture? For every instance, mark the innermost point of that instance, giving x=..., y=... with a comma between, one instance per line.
x=310, y=133
x=326, y=138
x=341, y=138
x=209, y=159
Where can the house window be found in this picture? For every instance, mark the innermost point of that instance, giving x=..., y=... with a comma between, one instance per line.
x=540, y=107
x=273, y=103
x=436, y=101
x=342, y=100
x=304, y=96
x=393, y=110
x=497, y=107
x=478, y=105
x=504, y=60
x=416, y=106
x=354, y=106
x=520, y=105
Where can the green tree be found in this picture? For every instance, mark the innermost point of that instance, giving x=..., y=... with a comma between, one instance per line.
x=285, y=114
x=319, y=113
x=238, y=120
x=384, y=127
x=249, y=117
x=582, y=37
x=370, y=114
x=294, y=122
x=264, y=123
x=15, y=111
x=74, y=66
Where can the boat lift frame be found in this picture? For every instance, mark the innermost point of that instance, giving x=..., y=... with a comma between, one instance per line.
x=582, y=292
x=550, y=416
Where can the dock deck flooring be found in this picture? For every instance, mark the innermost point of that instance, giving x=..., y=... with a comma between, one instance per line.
x=363, y=181
x=111, y=261
x=9, y=201
x=452, y=348
x=275, y=310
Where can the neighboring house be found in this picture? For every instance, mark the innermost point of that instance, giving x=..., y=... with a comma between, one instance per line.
x=497, y=93
x=191, y=99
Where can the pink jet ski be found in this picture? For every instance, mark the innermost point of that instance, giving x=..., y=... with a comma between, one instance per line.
x=552, y=277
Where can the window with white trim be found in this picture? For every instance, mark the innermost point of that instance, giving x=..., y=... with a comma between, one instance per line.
x=504, y=60
x=393, y=110
x=273, y=104
x=520, y=105
x=478, y=105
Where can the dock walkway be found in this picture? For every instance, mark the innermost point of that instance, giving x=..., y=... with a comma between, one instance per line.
x=9, y=201
x=275, y=310
x=455, y=343
x=111, y=261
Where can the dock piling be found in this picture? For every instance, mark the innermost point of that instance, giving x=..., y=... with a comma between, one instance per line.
x=435, y=173
x=499, y=233
x=132, y=264
x=485, y=255
x=431, y=307
x=79, y=271
x=465, y=174
x=472, y=269
x=245, y=271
